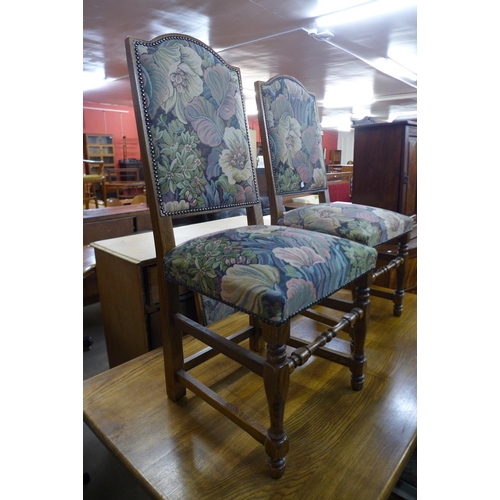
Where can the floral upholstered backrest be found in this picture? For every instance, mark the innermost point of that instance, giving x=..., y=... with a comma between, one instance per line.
x=192, y=108
x=293, y=133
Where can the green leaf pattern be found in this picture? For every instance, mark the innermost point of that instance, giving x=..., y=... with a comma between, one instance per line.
x=269, y=271
x=367, y=225
x=199, y=142
x=294, y=136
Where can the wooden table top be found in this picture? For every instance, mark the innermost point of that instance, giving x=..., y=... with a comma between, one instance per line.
x=343, y=444
x=126, y=184
x=105, y=213
x=139, y=248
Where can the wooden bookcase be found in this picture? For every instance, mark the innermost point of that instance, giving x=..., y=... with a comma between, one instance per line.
x=99, y=147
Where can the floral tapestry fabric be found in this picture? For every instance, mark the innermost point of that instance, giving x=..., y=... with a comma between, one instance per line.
x=198, y=137
x=272, y=272
x=367, y=225
x=294, y=136
x=213, y=310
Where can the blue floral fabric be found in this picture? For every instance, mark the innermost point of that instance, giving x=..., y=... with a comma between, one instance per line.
x=367, y=225
x=198, y=137
x=213, y=310
x=294, y=136
x=272, y=272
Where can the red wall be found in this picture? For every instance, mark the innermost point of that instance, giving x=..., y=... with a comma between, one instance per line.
x=119, y=121
x=330, y=142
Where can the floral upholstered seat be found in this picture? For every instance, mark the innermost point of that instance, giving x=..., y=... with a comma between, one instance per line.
x=271, y=272
x=293, y=156
x=368, y=225
x=195, y=147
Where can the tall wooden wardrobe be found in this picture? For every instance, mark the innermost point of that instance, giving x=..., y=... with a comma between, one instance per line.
x=385, y=166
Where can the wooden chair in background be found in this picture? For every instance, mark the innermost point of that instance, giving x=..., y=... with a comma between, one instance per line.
x=114, y=202
x=139, y=198
x=124, y=181
x=90, y=182
x=291, y=139
x=271, y=273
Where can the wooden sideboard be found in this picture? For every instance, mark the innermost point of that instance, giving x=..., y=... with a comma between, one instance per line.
x=111, y=222
x=385, y=156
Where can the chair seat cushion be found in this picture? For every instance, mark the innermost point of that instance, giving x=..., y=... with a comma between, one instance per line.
x=271, y=272
x=367, y=225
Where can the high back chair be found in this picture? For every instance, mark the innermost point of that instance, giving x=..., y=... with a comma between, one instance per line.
x=195, y=148
x=293, y=158
x=90, y=182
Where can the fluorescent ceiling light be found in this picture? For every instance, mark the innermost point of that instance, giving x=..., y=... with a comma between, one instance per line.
x=342, y=123
x=324, y=7
x=363, y=11
x=348, y=96
x=95, y=79
x=250, y=107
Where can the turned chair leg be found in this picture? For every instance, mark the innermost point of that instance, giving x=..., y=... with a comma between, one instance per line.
x=358, y=335
x=401, y=274
x=276, y=381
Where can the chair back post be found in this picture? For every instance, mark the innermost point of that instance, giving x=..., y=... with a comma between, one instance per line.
x=162, y=226
x=195, y=149
x=291, y=139
x=276, y=206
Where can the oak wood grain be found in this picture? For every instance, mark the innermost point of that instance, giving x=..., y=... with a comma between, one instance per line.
x=344, y=444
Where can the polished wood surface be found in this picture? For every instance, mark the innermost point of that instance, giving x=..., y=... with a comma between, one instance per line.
x=185, y=449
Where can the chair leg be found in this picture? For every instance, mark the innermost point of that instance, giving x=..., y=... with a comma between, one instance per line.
x=401, y=274
x=276, y=381
x=358, y=334
x=104, y=194
x=173, y=352
x=256, y=341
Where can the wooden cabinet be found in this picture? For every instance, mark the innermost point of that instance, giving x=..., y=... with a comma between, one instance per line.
x=113, y=222
x=385, y=156
x=336, y=156
x=99, y=147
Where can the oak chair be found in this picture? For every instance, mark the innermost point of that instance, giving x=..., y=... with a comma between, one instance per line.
x=90, y=182
x=125, y=181
x=293, y=158
x=114, y=202
x=139, y=198
x=195, y=148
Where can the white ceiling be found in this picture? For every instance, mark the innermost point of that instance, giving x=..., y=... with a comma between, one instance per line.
x=368, y=68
